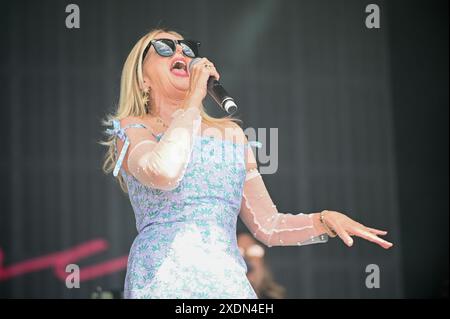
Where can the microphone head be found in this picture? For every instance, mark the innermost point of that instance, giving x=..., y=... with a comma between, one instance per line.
x=230, y=106
x=194, y=61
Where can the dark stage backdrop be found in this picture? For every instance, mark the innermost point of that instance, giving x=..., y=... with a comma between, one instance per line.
x=309, y=68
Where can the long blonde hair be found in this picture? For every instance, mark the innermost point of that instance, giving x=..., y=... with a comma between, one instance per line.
x=133, y=101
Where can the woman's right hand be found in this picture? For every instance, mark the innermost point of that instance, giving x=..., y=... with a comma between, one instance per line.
x=198, y=81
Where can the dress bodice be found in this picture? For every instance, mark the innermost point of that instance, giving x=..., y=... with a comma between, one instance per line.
x=211, y=188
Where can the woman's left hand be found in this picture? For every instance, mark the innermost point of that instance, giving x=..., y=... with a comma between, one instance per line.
x=346, y=227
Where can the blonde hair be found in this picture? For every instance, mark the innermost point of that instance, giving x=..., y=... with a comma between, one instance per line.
x=133, y=101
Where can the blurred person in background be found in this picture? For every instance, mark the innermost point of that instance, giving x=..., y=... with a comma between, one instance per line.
x=258, y=273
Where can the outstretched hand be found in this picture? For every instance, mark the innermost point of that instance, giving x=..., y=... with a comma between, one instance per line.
x=346, y=227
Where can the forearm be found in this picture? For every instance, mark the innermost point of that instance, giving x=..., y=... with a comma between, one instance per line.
x=162, y=165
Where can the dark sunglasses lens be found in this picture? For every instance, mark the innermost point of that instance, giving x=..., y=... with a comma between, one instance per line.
x=164, y=47
x=189, y=48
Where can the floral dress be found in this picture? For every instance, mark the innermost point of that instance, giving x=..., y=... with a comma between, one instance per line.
x=186, y=245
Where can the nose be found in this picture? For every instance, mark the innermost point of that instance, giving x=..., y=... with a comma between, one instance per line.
x=178, y=49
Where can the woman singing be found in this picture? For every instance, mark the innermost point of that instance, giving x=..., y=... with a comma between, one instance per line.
x=189, y=176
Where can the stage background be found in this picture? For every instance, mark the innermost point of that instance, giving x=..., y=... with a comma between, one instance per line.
x=362, y=117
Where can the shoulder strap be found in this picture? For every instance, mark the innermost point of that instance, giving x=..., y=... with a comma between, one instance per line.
x=119, y=132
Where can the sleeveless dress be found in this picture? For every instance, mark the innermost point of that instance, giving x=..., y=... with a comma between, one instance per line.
x=186, y=245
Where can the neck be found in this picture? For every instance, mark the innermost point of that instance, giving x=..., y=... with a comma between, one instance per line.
x=163, y=106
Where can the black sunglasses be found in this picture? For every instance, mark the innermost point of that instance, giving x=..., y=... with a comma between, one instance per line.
x=167, y=47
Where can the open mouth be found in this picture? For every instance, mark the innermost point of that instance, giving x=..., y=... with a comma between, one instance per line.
x=179, y=68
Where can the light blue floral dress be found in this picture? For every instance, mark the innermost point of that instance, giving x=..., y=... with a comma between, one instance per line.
x=186, y=245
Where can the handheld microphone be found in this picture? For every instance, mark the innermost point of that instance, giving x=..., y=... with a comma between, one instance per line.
x=217, y=92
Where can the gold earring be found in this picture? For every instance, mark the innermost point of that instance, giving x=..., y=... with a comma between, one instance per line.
x=145, y=95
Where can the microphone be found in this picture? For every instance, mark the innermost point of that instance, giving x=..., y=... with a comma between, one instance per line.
x=217, y=92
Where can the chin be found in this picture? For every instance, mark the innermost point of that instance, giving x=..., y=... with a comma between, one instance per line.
x=181, y=84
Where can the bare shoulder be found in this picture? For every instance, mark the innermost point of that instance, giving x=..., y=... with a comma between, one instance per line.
x=129, y=120
x=241, y=137
x=136, y=126
x=235, y=130
x=135, y=133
